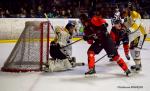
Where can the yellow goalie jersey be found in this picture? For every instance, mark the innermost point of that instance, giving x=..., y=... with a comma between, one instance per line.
x=134, y=24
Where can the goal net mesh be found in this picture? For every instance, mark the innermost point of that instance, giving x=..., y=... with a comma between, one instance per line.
x=31, y=49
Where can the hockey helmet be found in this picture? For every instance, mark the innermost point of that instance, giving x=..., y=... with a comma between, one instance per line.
x=84, y=18
x=117, y=21
x=70, y=25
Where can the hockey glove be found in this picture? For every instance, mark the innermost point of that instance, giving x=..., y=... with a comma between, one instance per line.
x=55, y=44
x=85, y=38
x=127, y=31
x=90, y=41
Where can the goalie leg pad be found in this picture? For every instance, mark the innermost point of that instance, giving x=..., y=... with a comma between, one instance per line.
x=59, y=65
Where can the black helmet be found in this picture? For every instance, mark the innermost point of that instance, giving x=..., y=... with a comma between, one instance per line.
x=70, y=25
x=83, y=17
x=116, y=21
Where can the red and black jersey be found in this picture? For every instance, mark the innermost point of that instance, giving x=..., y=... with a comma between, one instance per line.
x=95, y=25
x=118, y=36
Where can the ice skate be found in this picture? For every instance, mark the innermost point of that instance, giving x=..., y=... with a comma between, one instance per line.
x=90, y=72
x=136, y=68
x=128, y=73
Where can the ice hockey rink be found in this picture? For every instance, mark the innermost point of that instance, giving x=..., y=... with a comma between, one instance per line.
x=109, y=75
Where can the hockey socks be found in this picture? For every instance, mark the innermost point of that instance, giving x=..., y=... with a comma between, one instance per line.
x=91, y=59
x=122, y=64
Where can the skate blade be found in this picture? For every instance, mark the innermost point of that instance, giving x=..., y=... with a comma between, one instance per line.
x=136, y=71
x=133, y=73
x=90, y=75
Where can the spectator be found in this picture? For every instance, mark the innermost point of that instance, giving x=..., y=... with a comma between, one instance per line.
x=63, y=13
x=39, y=13
x=32, y=14
x=68, y=13
x=23, y=13
x=2, y=13
x=68, y=8
x=146, y=15
x=57, y=14
x=7, y=13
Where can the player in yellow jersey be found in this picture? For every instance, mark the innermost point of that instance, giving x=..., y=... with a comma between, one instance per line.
x=137, y=35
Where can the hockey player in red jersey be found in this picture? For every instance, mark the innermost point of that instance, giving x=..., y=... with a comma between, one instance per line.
x=96, y=34
x=118, y=34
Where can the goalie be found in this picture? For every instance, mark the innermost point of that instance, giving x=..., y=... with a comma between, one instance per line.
x=61, y=54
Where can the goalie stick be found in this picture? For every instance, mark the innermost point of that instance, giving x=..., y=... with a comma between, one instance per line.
x=48, y=21
x=76, y=41
x=71, y=43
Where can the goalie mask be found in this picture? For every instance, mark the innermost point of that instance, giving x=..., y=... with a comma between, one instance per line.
x=70, y=27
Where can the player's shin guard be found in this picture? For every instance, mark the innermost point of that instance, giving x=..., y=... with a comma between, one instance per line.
x=91, y=63
x=120, y=62
x=135, y=53
x=91, y=59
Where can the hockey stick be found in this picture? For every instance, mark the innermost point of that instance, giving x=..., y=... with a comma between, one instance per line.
x=76, y=41
x=49, y=21
x=103, y=56
x=71, y=43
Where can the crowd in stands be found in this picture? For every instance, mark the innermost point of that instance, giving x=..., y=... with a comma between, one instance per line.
x=68, y=8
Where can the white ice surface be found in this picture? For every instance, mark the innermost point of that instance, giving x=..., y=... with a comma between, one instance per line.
x=109, y=75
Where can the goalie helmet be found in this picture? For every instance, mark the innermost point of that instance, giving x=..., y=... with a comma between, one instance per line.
x=70, y=27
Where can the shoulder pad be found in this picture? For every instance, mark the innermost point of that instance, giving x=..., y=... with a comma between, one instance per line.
x=97, y=21
x=58, y=29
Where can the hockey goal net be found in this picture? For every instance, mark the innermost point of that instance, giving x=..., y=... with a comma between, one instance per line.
x=31, y=49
